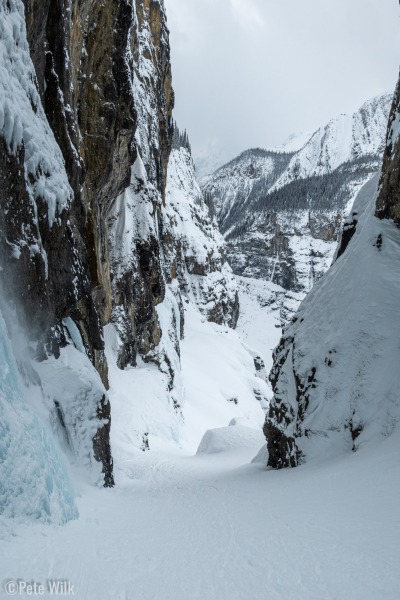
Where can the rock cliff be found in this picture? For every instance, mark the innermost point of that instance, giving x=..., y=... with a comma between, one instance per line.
x=88, y=232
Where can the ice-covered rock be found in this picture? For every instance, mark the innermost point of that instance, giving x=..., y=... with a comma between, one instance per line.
x=34, y=477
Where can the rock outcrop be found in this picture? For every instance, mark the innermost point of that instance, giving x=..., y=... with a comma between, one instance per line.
x=388, y=203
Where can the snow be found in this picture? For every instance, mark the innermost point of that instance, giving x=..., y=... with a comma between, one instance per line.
x=206, y=277
x=185, y=208
x=75, y=335
x=395, y=130
x=343, y=139
x=260, y=320
x=216, y=370
x=142, y=406
x=229, y=438
x=219, y=378
x=131, y=219
x=214, y=526
x=294, y=142
x=256, y=172
x=181, y=524
x=231, y=185
x=73, y=383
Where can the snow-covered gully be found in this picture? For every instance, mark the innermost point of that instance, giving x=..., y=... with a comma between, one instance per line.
x=214, y=526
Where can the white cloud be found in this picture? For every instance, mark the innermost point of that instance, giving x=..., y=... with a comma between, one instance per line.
x=251, y=72
x=247, y=14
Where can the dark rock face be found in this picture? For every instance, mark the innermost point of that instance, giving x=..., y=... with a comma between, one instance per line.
x=349, y=229
x=94, y=119
x=388, y=202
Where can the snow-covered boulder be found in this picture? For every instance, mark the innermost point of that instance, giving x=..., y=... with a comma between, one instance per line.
x=228, y=438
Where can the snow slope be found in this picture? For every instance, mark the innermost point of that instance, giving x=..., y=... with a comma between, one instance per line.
x=219, y=382
x=335, y=372
x=263, y=308
x=212, y=526
x=294, y=142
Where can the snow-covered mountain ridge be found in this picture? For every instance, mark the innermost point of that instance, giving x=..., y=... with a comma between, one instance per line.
x=282, y=212
x=344, y=139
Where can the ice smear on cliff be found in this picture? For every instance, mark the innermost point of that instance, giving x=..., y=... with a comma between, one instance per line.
x=34, y=480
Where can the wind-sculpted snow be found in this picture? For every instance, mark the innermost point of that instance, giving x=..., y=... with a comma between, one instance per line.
x=227, y=438
x=34, y=481
x=335, y=374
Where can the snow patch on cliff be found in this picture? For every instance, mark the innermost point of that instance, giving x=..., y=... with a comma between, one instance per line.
x=23, y=124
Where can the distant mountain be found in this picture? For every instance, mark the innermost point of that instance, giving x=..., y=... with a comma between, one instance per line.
x=344, y=139
x=282, y=212
x=294, y=142
x=210, y=158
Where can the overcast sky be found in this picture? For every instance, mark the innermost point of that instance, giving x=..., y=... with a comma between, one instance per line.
x=251, y=72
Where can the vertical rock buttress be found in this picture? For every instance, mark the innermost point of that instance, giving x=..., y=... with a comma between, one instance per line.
x=96, y=71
